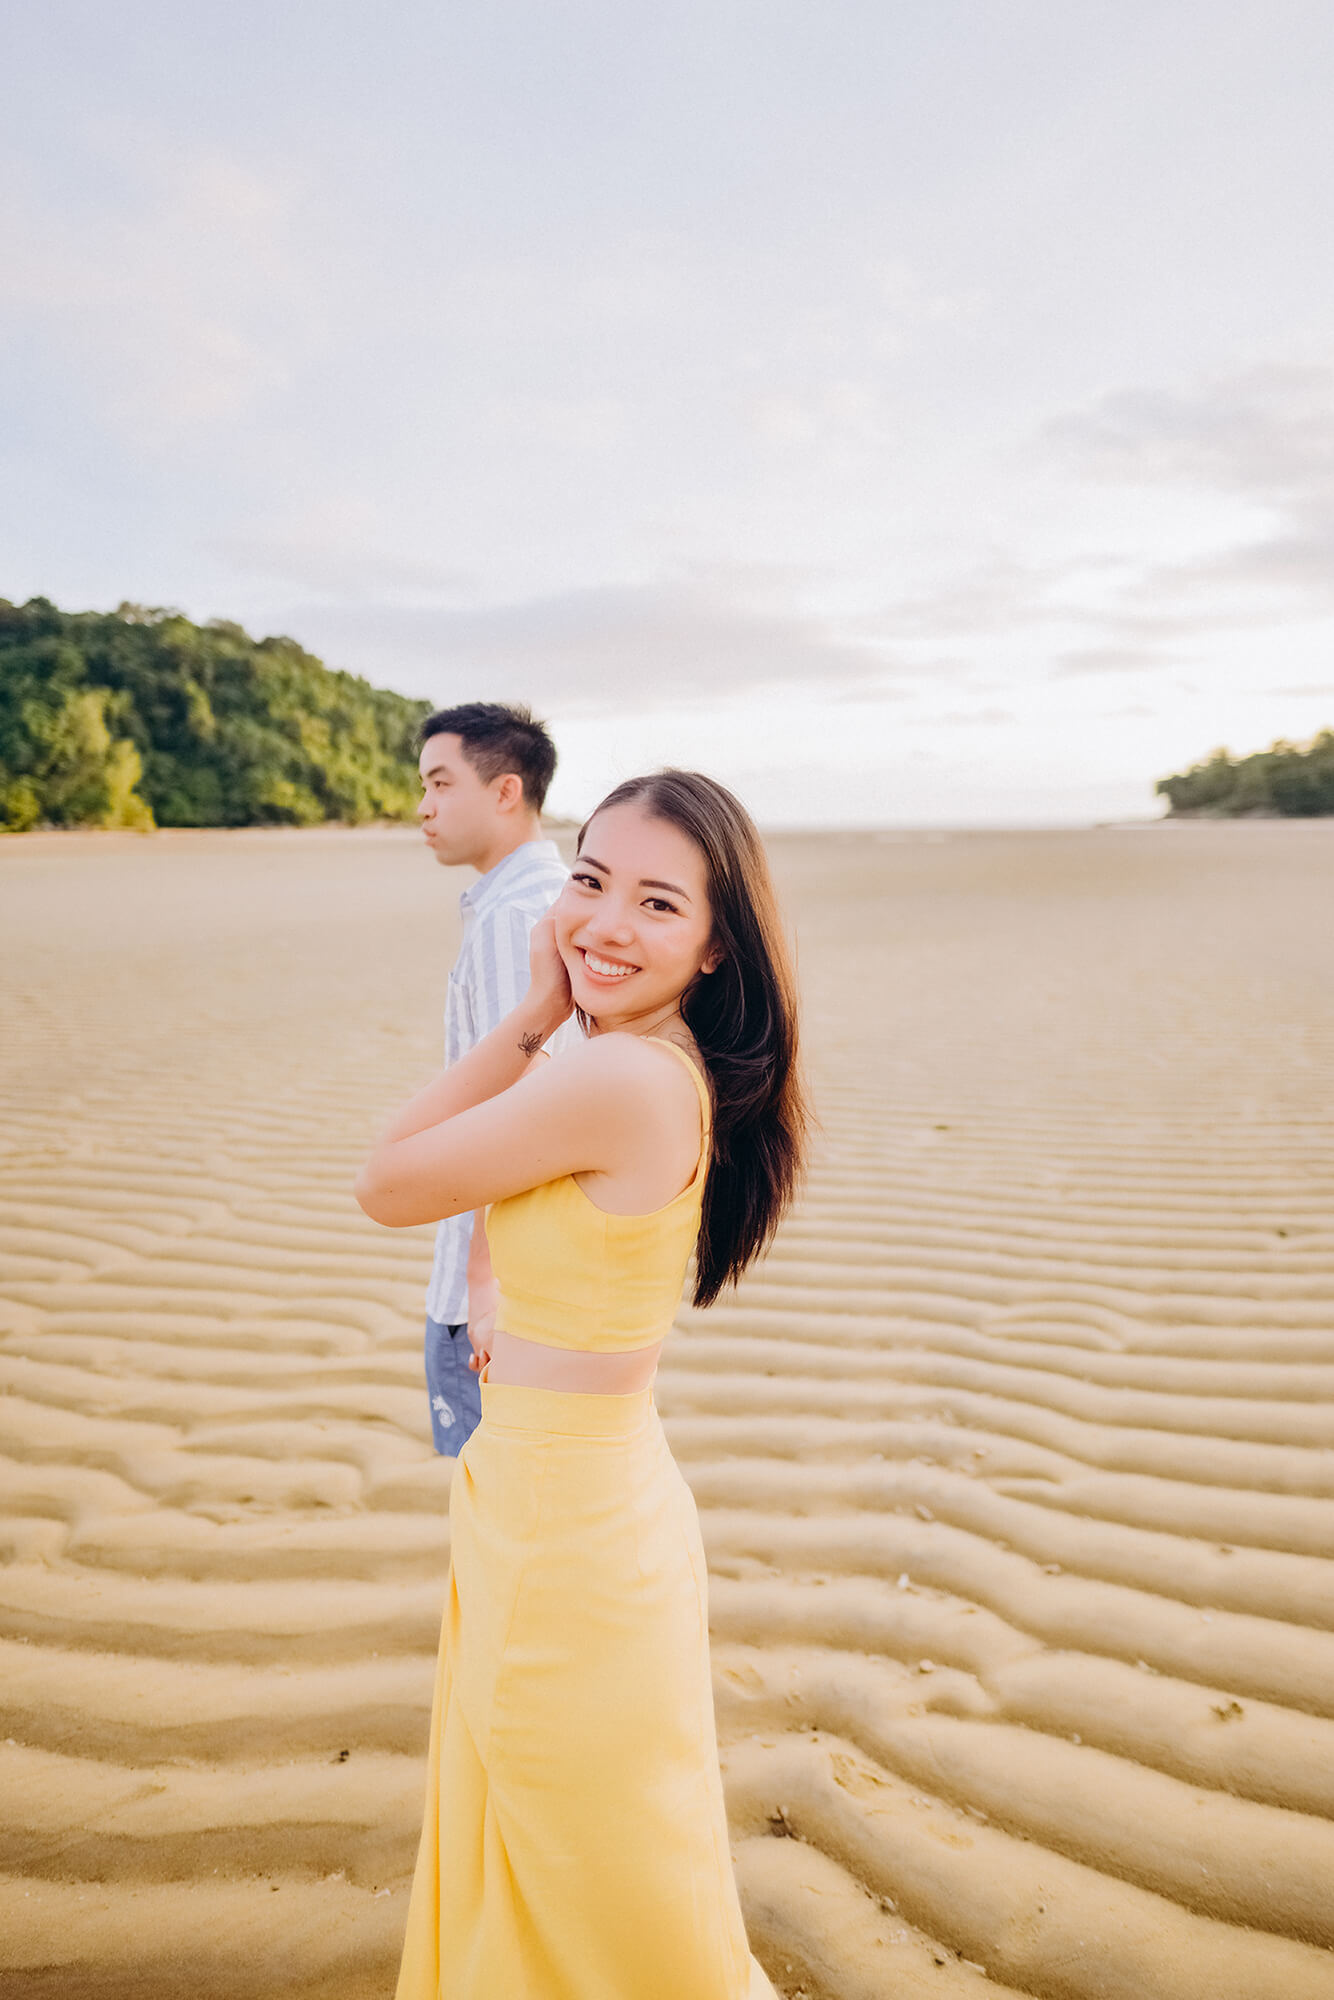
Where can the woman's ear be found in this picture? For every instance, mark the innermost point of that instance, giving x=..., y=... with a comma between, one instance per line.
x=713, y=958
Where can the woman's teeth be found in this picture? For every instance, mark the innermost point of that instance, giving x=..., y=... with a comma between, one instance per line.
x=606, y=969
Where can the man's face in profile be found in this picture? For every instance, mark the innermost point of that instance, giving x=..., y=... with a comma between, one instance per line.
x=457, y=811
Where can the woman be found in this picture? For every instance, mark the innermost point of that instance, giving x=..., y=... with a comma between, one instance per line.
x=575, y=1841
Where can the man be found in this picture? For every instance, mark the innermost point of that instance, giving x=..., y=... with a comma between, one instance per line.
x=485, y=770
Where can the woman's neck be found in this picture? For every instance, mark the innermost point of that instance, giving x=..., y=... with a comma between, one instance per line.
x=658, y=1023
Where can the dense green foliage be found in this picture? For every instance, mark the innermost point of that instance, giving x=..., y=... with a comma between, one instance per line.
x=1291, y=779
x=137, y=717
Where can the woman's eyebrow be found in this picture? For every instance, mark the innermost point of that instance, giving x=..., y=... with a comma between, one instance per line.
x=587, y=861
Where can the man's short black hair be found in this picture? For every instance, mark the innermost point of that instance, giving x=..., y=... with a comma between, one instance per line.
x=497, y=739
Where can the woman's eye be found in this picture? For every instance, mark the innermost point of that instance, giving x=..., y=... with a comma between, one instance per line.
x=657, y=903
x=586, y=881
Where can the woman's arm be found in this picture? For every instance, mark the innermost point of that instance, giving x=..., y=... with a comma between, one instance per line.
x=470, y=1138
x=499, y=1060
x=587, y=1113
x=490, y=1067
x=503, y=1055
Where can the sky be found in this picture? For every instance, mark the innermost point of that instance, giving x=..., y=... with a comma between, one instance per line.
x=913, y=412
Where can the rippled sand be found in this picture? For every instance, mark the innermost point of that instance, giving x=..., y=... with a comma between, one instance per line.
x=1015, y=1462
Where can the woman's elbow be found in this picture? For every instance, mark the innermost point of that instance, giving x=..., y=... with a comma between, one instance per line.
x=376, y=1198
x=389, y=1197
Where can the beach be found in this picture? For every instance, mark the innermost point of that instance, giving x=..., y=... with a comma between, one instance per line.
x=1014, y=1460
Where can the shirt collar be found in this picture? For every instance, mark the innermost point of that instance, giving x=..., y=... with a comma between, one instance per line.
x=518, y=857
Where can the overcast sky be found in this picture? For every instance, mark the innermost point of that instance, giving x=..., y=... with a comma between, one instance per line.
x=912, y=411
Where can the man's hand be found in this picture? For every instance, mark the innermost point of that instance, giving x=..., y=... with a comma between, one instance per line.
x=483, y=1300
x=479, y=1339
x=483, y=1296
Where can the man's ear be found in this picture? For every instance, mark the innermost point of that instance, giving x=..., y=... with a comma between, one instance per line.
x=509, y=792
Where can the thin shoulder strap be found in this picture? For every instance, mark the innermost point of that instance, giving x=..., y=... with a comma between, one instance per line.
x=701, y=1082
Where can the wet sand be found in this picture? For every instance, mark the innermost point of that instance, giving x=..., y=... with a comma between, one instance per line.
x=1015, y=1461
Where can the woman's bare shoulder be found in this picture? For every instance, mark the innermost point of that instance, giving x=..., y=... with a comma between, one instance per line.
x=623, y=1062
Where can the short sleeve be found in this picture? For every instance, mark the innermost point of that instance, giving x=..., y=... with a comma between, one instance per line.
x=500, y=970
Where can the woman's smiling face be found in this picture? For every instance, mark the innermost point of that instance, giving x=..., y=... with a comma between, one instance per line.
x=633, y=924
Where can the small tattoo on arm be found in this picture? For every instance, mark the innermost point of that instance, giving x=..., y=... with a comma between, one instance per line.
x=529, y=1044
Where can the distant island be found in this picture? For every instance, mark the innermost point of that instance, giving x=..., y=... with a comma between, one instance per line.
x=1287, y=781
x=138, y=718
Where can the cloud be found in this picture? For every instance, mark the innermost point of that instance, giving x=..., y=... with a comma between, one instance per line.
x=346, y=568
x=1262, y=441
x=167, y=301
x=1268, y=432
x=1104, y=660
x=686, y=640
x=1264, y=437
x=1297, y=562
x=999, y=594
x=1005, y=595
x=987, y=718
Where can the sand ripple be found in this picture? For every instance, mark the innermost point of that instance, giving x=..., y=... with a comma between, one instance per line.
x=1015, y=1461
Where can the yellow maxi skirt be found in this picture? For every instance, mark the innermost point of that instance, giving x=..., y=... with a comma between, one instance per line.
x=575, y=1840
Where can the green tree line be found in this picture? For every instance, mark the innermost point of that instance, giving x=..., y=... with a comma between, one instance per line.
x=1294, y=780
x=138, y=718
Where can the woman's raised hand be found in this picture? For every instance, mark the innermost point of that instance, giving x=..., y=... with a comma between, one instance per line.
x=549, y=992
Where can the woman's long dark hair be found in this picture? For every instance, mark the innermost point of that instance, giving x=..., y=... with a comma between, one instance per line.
x=743, y=1017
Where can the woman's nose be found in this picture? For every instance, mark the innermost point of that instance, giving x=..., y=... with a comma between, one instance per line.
x=613, y=927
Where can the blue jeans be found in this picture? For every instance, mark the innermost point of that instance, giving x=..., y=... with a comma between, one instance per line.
x=454, y=1390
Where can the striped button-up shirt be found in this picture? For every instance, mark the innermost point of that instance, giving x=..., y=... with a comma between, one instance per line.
x=490, y=977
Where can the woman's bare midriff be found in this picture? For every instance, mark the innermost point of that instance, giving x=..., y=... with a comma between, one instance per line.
x=527, y=1364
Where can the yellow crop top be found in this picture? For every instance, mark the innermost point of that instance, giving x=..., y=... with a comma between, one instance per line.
x=571, y=1275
